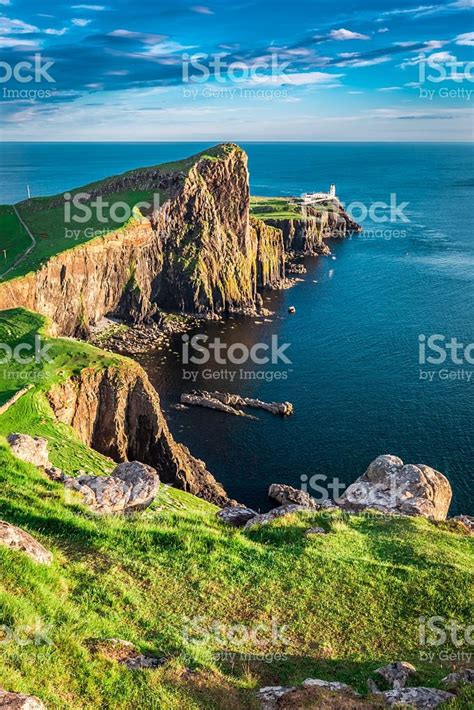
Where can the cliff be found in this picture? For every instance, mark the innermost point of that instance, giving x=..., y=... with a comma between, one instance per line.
x=117, y=412
x=198, y=253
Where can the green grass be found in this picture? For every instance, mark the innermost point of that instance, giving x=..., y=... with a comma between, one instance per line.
x=280, y=208
x=349, y=601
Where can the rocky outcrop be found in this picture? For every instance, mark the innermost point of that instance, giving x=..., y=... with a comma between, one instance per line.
x=227, y=402
x=198, y=253
x=16, y=539
x=117, y=412
x=236, y=516
x=30, y=449
x=389, y=485
x=18, y=701
x=396, y=674
x=131, y=487
x=287, y=494
x=283, y=510
x=270, y=254
x=419, y=698
x=459, y=677
x=306, y=235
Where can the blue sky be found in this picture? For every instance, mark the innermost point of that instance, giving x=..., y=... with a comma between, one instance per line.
x=297, y=70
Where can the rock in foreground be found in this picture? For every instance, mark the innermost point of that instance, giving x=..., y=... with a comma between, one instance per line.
x=131, y=487
x=31, y=449
x=18, y=701
x=17, y=539
x=287, y=494
x=419, y=698
x=389, y=485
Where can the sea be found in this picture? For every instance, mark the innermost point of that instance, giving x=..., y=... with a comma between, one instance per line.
x=379, y=354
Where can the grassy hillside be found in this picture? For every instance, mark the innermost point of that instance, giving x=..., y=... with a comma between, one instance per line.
x=350, y=600
x=55, y=232
x=173, y=578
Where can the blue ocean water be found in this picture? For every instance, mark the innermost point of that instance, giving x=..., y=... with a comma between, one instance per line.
x=354, y=377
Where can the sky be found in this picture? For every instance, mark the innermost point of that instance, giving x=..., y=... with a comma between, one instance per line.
x=169, y=70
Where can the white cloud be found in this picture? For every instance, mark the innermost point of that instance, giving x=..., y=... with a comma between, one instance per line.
x=7, y=42
x=342, y=35
x=8, y=26
x=355, y=62
x=383, y=29
x=80, y=23
x=60, y=32
x=463, y=4
x=202, y=10
x=389, y=88
x=410, y=10
x=4, y=2
x=466, y=39
x=98, y=8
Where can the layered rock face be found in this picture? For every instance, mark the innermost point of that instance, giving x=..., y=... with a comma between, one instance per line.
x=117, y=412
x=198, y=253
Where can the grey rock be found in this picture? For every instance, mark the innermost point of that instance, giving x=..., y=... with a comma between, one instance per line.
x=464, y=676
x=396, y=674
x=55, y=474
x=125, y=653
x=265, y=518
x=316, y=531
x=270, y=695
x=287, y=494
x=131, y=487
x=419, y=698
x=390, y=486
x=17, y=539
x=18, y=701
x=237, y=516
x=31, y=449
x=329, y=685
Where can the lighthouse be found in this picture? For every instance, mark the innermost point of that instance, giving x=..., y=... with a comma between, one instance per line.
x=332, y=190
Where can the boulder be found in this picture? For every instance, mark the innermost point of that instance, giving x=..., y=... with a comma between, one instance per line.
x=466, y=522
x=265, y=518
x=389, y=485
x=316, y=531
x=131, y=487
x=18, y=701
x=237, y=516
x=123, y=652
x=464, y=676
x=270, y=695
x=419, y=698
x=396, y=674
x=17, y=539
x=287, y=494
x=31, y=449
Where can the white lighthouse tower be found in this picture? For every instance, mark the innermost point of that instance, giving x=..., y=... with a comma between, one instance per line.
x=332, y=190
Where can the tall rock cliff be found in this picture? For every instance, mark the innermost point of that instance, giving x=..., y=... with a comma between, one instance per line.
x=117, y=412
x=198, y=253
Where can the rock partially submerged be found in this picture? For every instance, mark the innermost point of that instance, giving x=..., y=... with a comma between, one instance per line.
x=131, y=487
x=18, y=701
x=226, y=402
x=389, y=485
x=419, y=698
x=16, y=539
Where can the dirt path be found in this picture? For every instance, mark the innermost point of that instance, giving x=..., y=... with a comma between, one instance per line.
x=26, y=253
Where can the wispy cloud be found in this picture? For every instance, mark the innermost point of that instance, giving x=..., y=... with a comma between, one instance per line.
x=79, y=22
x=344, y=35
x=466, y=39
x=202, y=10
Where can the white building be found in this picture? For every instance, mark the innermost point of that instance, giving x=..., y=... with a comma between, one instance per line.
x=310, y=198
